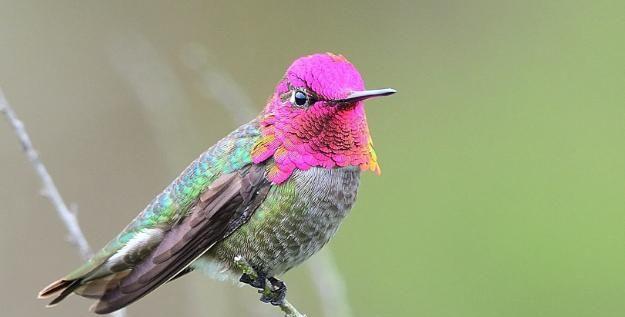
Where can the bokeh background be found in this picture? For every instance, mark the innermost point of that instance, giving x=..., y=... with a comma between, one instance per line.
x=503, y=155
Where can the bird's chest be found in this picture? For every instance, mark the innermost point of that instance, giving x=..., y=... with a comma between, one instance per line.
x=296, y=219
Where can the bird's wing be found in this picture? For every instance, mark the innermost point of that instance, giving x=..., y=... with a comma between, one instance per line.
x=159, y=221
x=221, y=209
x=156, y=256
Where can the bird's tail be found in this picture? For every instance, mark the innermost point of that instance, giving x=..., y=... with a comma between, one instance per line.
x=62, y=286
x=89, y=288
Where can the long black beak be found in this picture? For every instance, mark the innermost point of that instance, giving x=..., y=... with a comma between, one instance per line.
x=366, y=94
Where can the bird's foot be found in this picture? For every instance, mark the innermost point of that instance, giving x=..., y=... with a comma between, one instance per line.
x=250, y=276
x=258, y=281
x=274, y=294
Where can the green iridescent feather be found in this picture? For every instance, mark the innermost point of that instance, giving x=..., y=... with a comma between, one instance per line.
x=228, y=155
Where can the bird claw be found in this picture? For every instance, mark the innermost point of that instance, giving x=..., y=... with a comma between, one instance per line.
x=259, y=282
x=275, y=294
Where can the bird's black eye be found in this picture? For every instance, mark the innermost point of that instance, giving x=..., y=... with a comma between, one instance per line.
x=300, y=98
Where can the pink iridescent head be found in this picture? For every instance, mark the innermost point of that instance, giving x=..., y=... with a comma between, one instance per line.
x=316, y=118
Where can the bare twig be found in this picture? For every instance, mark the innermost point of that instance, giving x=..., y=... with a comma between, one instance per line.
x=287, y=308
x=49, y=190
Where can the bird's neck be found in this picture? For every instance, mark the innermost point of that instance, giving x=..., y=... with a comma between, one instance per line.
x=325, y=137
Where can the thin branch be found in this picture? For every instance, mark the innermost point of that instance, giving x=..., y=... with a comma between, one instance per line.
x=49, y=190
x=287, y=308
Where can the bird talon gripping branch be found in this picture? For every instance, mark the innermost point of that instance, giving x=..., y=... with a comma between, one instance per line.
x=259, y=282
x=250, y=275
x=275, y=294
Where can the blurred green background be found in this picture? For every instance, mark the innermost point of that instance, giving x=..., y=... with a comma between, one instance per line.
x=503, y=156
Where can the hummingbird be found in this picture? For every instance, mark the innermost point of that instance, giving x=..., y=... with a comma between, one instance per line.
x=273, y=192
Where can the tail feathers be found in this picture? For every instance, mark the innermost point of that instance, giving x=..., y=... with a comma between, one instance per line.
x=65, y=287
x=53, y=288
x=94, y=289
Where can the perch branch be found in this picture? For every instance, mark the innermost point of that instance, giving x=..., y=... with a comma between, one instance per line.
x=49, y=190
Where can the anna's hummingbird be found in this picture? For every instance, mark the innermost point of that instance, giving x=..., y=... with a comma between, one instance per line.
x=272, y=192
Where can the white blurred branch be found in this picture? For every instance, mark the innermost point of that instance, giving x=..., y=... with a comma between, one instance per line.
x=330, y=285
x=49, y=190
x=218, y=85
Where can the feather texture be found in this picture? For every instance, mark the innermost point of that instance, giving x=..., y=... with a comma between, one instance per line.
x=214, y=215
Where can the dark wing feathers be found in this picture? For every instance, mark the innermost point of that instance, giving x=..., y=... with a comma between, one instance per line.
x=228, y=203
